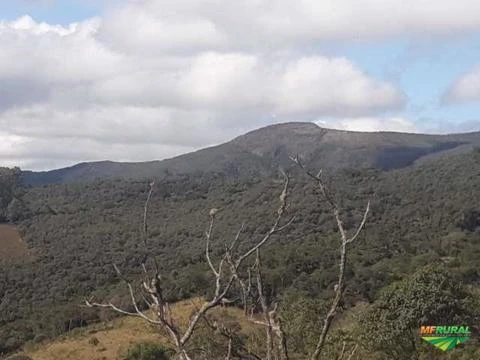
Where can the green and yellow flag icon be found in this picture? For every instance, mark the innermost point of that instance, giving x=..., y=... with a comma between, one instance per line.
x=445, y=337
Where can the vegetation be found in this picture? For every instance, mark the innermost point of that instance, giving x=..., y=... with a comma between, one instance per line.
x=262, y=151
x=427, y=213
x=9, y=181
x=19, y=357
x=429, y=296
x=147, y=351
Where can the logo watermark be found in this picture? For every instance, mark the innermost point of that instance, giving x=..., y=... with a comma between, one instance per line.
x=445, y=337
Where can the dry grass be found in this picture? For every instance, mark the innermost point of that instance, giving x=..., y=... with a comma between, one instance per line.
x=116, y=337
x=112, y=343
x=12, y=248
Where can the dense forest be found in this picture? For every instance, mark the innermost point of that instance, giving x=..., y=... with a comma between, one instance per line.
x=423, y=229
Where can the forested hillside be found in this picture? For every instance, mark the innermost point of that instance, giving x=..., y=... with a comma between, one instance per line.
x=262, y=151
x=427, y=213
x=11, y=206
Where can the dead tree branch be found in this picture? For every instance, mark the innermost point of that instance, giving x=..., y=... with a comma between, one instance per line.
x=342, y=352
x=350, y=354
x=271, y=322
x=223, y=279
x=350, y=357
x=145, y=213
x=345, y=240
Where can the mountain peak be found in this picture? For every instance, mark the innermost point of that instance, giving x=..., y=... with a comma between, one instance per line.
x=296, y=128
x=295, y=137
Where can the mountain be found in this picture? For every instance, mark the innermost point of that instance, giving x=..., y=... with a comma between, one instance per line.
x=427, y=213
x=423, y=213
x=264, y=150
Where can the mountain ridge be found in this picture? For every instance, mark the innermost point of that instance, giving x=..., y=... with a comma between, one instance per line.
x=263, y=150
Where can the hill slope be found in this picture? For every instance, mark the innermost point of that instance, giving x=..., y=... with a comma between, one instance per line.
x=111, y=340
x=263, y=150
x=419, y=214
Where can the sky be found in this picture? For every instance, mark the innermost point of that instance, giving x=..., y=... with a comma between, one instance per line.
x=138, y=80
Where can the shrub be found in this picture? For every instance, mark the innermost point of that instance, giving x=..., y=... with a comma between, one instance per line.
x=19, y=357
x=93, y=341
x=431, y=295
x=40, y=338
x=147, y=351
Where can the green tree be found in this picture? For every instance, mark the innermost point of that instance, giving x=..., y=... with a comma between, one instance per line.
x=16, y=210
x=9, y=179
x=147, y=351
x=431, y=296
x=301, y=316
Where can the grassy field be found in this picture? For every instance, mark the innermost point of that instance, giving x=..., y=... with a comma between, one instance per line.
x=12, y=248
x=106, y=342
x=110, y=341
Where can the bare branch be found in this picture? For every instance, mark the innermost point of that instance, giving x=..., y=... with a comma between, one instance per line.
x=318, y=178
x=274, y=229
x=342, y=352
x=145, y=213
x=271, y=322
x=230, y=335
x=282, y=340
x=207, y=246
x=223, y=282
x=263, y=302
x=121, y=311
x=345, y=240
x=137, y=313
x=237, y=237
x=220, y=292
x=145, y=229
x=281, y=228
x=350, y=357
x=362, y=224
x=229, y=351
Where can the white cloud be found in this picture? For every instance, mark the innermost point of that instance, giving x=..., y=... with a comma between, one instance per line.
x=114, y=124
x=27, y=25
x=154, y=78
x=141, y=26
x=67, y=65
x=161, y=25
x=18, y=151
x=39, y=61
x=224, y=80
x=464, y=89
x=43, y=136
x=66, y=96
x=371, y=124
x=441, y=126
x=239, y=82
x=346, y=19
x=332, y=85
